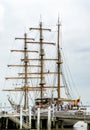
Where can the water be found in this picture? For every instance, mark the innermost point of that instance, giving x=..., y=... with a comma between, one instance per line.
x=78, y=126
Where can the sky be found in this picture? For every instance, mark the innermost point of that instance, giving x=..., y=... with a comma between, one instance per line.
x=16, y=16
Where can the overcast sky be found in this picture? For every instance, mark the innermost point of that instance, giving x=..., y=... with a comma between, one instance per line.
x=16, y=16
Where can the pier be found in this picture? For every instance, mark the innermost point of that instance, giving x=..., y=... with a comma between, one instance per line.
x=40, y=120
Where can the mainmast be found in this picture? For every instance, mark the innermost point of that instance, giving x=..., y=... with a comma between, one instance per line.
x=25, y=64
x=41, y=61
x=42, y=82
x=59, y=60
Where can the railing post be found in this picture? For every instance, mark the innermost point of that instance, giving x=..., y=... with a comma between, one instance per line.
x=20, y=117
x=49, y=118
x=30, y=117
x=38, y=119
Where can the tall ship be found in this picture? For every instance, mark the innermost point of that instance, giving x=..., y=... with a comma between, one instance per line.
x=38, y=80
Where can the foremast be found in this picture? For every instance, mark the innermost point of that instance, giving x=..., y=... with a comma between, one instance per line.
x=25, y=60
x=25, y=88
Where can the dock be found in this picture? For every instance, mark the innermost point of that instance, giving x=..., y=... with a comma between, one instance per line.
x=40, y=120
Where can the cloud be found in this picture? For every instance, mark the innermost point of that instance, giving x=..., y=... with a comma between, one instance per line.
x=16, y=15
x=1, y=17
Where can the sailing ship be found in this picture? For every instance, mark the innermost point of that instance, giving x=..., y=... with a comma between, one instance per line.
x=40, y=78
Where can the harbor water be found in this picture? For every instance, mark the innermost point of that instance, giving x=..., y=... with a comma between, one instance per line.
x=78, y=126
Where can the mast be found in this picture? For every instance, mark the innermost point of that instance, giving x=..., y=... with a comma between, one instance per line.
x=25, y=65
x=41, y=61
x=25, y=71
x=59, y=59
x=42, y=82
x=26, y=79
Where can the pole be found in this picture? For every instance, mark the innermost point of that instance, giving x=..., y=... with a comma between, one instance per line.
x=59, y=60
x=6, y=123
x=53, y=119
x=21, y=117
x=30, y=117
x=38, y=119
x=49, y=118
